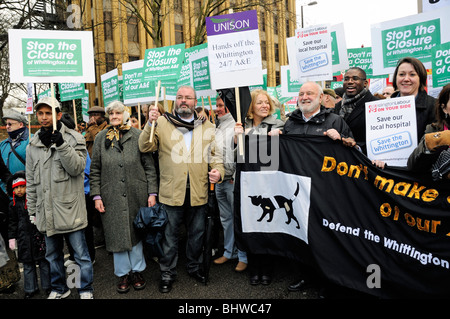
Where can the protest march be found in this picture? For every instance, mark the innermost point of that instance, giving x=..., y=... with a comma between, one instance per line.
x=380, y=229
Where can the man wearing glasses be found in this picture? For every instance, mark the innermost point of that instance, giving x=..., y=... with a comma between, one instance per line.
x=352, y=106
x=13, y=149
x=187, y=161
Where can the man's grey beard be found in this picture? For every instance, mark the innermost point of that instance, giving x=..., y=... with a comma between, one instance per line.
x=184, y=112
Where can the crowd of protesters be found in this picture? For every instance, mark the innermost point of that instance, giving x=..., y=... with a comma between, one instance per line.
x=121, y=162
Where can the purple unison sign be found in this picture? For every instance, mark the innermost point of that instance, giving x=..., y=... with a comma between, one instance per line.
x=234, y=50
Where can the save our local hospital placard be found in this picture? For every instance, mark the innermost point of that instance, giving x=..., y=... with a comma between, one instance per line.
x=311, y=59
x=234, y=50
x=391, y=130
x=414, y=36
x=38, y=56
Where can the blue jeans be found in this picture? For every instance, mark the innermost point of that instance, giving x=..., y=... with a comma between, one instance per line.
x=225, y=200
x=194, y=217
x=55, y=257
x=30, y=282
x=129, y=261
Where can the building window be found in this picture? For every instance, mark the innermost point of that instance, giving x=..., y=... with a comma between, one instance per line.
x=276, y=53
x=275, y=24
x=178, y=6
x=110, y=64
x=132, y=29
x=277, y=77
x=287, y=29
x=107, y=19
x=179, y=34
x=263, y=50
x=133, y=58
x=263, y=21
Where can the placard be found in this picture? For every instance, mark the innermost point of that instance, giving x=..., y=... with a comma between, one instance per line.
x=309, y=54
x=51, y=56
x=163, y=63
x=391, y=130
x=71, y=91
x=110, y=87
x=135, y=88
x=441, y=64
x=413, y=36
x=200, y=76
x=234, y=50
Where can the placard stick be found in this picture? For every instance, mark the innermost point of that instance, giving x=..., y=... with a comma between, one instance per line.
x=238, y=115
x=139, y=114
x=75, y=114
x=29, y=126
x=156, y=103
x=211, y=110
x=53, y=107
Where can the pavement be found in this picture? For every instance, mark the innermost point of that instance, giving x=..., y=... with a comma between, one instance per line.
x=224, y=282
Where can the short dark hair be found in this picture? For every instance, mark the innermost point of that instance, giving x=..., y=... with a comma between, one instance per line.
x=359, y=70
x=418, y=66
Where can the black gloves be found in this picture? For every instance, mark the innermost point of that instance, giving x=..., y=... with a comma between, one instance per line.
x=57, y=138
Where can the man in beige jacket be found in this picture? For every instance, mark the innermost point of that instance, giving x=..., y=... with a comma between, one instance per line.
x=186, y=151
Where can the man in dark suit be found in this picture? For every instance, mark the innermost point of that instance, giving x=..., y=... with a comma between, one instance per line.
x=352, y=106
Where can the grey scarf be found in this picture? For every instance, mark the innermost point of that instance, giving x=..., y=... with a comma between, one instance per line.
x=348, y=104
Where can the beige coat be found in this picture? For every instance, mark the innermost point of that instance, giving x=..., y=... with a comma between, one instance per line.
x=176, y=161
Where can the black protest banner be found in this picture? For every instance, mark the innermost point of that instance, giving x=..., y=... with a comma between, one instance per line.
x=383, y=232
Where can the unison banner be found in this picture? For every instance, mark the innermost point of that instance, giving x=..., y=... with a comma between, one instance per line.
x=382, y=232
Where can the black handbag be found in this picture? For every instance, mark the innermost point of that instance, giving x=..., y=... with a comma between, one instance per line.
x=149, y=225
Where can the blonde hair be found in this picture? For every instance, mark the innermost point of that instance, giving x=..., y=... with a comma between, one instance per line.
x=254, y=94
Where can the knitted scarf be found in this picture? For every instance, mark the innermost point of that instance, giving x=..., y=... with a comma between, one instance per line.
x=179, y=123
x=114, y=134
x=348, y=104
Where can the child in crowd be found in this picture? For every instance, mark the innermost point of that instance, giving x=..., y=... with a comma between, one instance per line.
x=24, y=235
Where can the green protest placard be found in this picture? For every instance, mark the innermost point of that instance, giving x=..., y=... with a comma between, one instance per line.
x=85, y=106
x=415, y=39
x=63, y=57
x=263, y=86
x=200, y=74
x=441, y=64
x=289, y=86
x=51, y=56
x=163, y=63
x=71, y=91
x=110, y=87
x=413, y=36
x=362, y=58
x=185, y=71
x=45, y=93
x=135, y=88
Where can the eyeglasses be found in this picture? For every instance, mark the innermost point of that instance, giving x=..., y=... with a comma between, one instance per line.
x=354, y=78
x=187, y=98
x=11, y=124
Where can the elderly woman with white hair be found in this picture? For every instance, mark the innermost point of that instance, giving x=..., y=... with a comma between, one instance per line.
x=122, y=180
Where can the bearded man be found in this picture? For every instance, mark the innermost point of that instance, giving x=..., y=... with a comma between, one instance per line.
x=311, y=118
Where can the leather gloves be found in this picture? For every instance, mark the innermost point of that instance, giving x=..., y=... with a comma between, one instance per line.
x=57, y=138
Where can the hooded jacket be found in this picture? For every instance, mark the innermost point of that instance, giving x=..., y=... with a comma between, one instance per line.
x=55, y=183
x=326, y=119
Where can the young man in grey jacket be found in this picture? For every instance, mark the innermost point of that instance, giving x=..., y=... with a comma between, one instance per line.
x=55, y=162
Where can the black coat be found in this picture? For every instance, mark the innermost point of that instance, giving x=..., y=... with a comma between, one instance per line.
x=357, y=119
x=5, y=175
x=30, y=242
x=425, y=111
x=319, y=124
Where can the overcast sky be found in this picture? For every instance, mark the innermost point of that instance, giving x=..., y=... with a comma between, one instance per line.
x=356, y=15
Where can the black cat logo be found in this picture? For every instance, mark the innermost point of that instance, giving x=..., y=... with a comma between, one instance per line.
x=270, y=204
